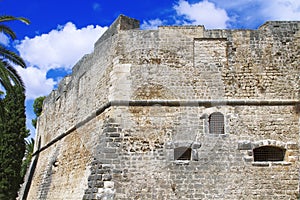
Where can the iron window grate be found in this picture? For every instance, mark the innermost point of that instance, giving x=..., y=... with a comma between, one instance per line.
x=269, y=153
x=216, y=123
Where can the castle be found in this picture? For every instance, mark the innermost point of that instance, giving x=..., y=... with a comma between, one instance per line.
x=175, y=113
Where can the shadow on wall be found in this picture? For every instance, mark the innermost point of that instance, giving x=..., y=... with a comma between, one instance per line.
x=47, y=179
x=31, y=173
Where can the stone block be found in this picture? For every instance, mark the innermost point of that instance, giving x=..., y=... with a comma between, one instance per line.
x=261, y=164
x=113, y=135
x=87, y=197
x=117, y=171
x=106, y=177
x=292, y=145
x=248, y=158
x=109, y=150
x=196, y=145
x=109, y=184
x=91, y=177
x=169, y=145
x=244, y=145
x=99, y=184
x=110, y=130
x=111, y=155
x=98, y=177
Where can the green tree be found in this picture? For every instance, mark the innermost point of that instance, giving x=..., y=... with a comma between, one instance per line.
x=12, y=144
x=8, y=75
x=12, y=116
x=37, y=108
x=28, y=156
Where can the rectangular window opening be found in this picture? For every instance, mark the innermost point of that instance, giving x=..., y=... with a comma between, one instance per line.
x=182, y=153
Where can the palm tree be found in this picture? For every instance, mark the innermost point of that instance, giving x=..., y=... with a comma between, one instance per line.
x=12, y=115
x=27, y=157
x=8, y=75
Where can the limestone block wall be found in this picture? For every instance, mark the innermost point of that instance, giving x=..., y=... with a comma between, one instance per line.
x=78, y=95
x=113, y=128
x=62, y=170
x=136, y=155
x=182, y=64
x=194, y=63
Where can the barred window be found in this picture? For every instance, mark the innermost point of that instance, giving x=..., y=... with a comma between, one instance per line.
x=182, y=153
x=216, y=123
x=268, y=153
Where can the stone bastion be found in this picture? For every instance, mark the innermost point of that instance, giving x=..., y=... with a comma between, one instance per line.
x=175, y=113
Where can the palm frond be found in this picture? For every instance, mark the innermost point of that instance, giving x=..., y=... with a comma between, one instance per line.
x=6, y=30
x=4, y=78
x=9, y=77
x=11, y=56
x=7, y=18
x=29, y=146
x=14, y=75
x=10, y=81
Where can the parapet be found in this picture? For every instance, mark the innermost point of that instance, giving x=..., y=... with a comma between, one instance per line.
x=121, y=23
x=280, y=25
x=190, y=31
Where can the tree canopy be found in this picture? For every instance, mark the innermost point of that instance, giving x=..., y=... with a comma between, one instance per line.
x=37, y=108
x=12, y=145
x=8, y=75
x=12, y=115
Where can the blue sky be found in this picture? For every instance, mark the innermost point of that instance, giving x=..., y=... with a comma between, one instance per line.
x=61, y=32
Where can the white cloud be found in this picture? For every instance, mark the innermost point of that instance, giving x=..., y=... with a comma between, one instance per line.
x=4, y=39
x=152, y=24
x=228, y=14
x=252, y=13
x=60, y=48
x=273, y=10
x=203, y=13
x=36, y=82
x=282, y=10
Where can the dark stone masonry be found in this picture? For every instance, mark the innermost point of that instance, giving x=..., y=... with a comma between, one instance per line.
x=175, y=113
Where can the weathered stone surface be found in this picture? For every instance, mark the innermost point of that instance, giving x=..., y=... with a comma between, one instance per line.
x=111, y=129
x=244, y=145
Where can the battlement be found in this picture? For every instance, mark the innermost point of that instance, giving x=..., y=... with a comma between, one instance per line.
x=281, y=25
x=121, y=23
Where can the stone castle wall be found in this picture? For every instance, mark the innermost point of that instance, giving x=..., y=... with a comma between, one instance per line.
x=112, y=129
